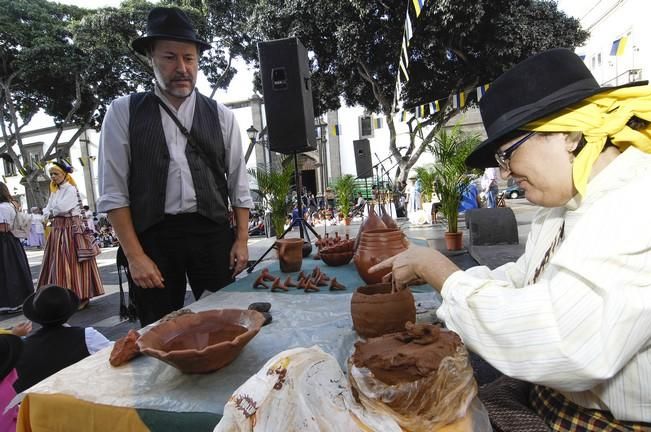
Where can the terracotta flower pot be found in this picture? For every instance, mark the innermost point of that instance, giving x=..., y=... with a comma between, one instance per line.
x=290, y=254
x=376, y=310
x=454, y=241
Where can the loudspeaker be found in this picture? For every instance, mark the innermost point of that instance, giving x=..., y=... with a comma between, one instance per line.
x=363, y=160
x=287, y=95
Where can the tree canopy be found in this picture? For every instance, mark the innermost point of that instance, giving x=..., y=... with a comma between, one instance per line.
x=456, y=45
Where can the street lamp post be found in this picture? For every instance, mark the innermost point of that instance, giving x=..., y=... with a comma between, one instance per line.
x=252, y=133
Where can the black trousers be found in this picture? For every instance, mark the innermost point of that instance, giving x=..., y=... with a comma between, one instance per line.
x=185, y=247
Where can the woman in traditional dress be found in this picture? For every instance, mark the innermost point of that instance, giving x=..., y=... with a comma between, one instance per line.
x=60, y=262
x=36, y=231
x=15, y=278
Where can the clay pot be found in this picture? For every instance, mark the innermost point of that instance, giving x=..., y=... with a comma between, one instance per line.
x=367, y=256
x=372, y=222
x=387, y=219
x=454, y=241
x=290, y=254
x=202, y=342
x=377, y=311
x=307, y=249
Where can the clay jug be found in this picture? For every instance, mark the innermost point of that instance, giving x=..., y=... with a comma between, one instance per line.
x=290, y=254
x=306, y=249
x=387, y=219
x=376, y=310
x=372, y=222
x=373, y=253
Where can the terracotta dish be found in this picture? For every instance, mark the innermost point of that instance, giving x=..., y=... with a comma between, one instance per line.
x=334, y=259
x=202, y=342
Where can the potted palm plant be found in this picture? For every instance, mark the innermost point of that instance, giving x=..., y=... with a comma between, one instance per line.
x=275, y=186
x=426, y=178
x=344, y=187
x=452, y=177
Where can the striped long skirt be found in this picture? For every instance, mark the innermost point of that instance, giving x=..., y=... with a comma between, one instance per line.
x=60, y=264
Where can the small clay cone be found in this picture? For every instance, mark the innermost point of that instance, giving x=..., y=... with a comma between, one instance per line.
x=266, y=275
x=316, y=272
x=325, y=277
x=302, y=283
x=310, y=287
x=259, y=283
x=319, y=281
x=289, y=282
x=336, y=286
x=301, y=275
x=278, y=286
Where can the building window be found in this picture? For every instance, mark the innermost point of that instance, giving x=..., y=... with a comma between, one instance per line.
x=366, y=127
x=9, y=167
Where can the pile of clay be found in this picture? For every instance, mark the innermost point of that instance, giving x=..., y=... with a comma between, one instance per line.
x=421, y=376
x=406, y=356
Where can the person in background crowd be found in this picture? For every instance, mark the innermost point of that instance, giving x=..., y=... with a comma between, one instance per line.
x=359, y=205
x=167, y=190
x=61, y=265
x=51, y=307
x=15, y=277
x=37, y=229
x=569, y=323
x=469, y=198
x=90, y=220
x=489, y=186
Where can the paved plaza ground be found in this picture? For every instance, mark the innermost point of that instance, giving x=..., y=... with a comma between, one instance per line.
x=103, y=311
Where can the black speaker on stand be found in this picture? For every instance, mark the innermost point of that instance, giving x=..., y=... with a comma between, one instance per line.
x=287, y=94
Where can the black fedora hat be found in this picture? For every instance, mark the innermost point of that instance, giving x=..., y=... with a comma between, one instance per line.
x=51, y=305
x=536, y=87
x=11, y=346
x=168, y=23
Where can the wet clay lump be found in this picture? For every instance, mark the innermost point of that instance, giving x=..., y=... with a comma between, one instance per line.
x=406, y=356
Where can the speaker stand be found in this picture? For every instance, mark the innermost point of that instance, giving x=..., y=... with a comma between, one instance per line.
x=303, y=225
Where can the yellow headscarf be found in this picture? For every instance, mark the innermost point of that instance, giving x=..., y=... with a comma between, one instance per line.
x=66, y=177
x=599, y=117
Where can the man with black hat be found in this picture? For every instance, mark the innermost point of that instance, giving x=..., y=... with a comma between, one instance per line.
x=51, y=307
x=170, y=161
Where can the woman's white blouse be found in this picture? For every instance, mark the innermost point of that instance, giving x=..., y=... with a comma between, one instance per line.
x=7, y=213
x=63, y=202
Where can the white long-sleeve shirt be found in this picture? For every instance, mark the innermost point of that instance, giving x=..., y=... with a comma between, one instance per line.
x=63, y=202
x=180, y=196
x=584, y=328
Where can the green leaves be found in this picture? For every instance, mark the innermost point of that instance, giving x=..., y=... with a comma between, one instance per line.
x=344, y=187
x=275, y=187
x=451, y=176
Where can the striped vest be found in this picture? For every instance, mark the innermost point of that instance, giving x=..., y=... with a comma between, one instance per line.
x=150, y=161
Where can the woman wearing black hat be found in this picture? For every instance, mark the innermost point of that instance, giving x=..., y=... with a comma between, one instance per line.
x=572, y=315
x=15, y=276
x=61, y=265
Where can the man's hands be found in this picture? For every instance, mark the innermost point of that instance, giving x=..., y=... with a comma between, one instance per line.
x=145, y=272
x=239, y=256
x=417, y=265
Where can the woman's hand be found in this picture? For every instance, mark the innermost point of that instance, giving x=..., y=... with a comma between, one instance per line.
x=417, y=265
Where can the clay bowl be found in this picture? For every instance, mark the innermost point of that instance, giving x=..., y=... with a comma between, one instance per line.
x=202, y=342
x=377, y=311
x=334, y=259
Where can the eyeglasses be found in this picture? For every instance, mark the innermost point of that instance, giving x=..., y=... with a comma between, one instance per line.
x=503, y=157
